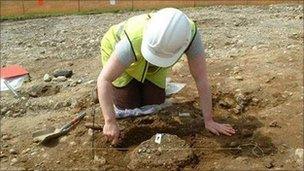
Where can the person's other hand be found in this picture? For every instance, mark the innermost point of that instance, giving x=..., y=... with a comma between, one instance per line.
x=218, y=128
x=111, y=131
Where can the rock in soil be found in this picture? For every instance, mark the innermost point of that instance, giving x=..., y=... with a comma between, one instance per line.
x=63, y=72
x=99, y=160
x=47, y=78
x=14, y=161
x=172, y=152
x=6, y=137
x=4, y=110
x=60, y=79
x=269, y=164
x=13, y=151
x=274, y=124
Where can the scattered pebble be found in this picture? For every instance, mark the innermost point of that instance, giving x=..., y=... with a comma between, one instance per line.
x=13, y=151
x=73, y=84
x=255, y=100
x=269, y=164
x=79, y=81
x=299, y=155
x=63, y=72
x=274, y=124
x=25, y=151
x=72, y=143
x=100, y=160
x=60, y=79
x=14, y=161
x=90, y=82
x=47, y=78
x=233, y=144
x=4, y=110
x=239, y=78
x=90, y=132
x=6, y=137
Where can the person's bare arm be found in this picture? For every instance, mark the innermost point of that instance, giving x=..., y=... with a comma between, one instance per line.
x=113, y=69
x=198, y=70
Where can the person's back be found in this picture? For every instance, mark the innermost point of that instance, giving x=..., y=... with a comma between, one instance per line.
x=136, y=56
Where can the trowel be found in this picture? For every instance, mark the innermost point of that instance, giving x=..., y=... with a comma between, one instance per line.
x=50, y=133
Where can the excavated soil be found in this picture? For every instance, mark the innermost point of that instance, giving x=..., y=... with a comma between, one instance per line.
x=254, y=57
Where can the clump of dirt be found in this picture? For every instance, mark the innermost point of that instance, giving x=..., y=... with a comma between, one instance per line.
x=43, y=89
x=172, y=153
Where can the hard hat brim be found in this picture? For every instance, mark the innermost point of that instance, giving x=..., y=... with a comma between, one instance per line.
x=159, y=59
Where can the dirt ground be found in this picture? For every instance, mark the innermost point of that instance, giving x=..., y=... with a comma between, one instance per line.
x=255, y=65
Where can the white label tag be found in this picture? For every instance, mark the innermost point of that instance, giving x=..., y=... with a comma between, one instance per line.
x=184, y=114
x=158, y=137
x=112, y=2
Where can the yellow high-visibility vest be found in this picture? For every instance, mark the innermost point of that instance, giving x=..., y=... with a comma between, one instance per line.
x=132, y=29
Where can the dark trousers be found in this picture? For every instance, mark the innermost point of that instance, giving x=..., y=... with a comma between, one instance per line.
x=137, y=94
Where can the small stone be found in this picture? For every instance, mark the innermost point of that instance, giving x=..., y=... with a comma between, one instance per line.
x=33, y=153
x=4, y=110
x=73, y=83
x=299, y=155
x=79, y=81
x=47, y=78
x=240, y=98
x=63, y=72
x=90, y=132
x=274, y=124
x=227, y=103
x=25, y=151
x=15, y=115
x=60, y=79
x=269, y=164
x=2, y=156
x=99, y=160
x=45, y=155
x=72, y=143
x=14, y=161
x=13, y=151
x=90, y=82
x=236, y=111
x=5, y=145
x=233, y=144
x=255, y=100
x=6, y=137
x=239, y=78
x=22, y=111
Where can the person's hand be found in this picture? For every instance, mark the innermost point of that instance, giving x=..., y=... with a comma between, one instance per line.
x=218, y=128
x=111, y=131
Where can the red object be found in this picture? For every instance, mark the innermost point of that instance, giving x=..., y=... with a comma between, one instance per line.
x=12, y=71
x=40, y=2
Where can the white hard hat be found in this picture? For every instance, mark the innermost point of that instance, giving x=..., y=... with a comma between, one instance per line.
x=166, y=37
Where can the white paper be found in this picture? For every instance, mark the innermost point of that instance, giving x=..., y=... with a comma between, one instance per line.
x=112, y=2
x=173, y=88
x=15, y=82
x=144, y=110
x=158, y=138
